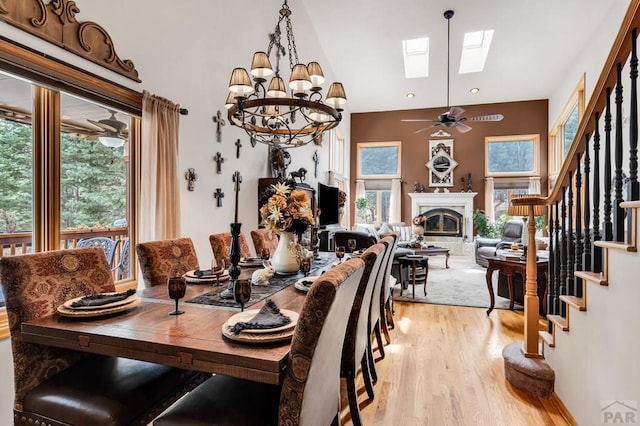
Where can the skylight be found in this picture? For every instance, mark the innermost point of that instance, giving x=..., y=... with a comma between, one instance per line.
x=416, y=57
x=475, y=50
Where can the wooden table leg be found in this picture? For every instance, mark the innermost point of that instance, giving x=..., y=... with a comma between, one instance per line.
x=413, y=273
x=490, y=288
x=426, y=275
x=510, y=285
x=446, y=261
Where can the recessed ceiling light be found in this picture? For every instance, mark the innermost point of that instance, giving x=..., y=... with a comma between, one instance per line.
x=411, y=95
x=474, y=90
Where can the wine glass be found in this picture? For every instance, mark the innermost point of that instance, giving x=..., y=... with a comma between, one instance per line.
x=305, y=265
x=351, y=243
x=340, y=253
x=176, y=287
x=218, y=269
x=242, y=292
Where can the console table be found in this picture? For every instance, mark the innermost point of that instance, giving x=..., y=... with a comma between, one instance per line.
x=511, y=268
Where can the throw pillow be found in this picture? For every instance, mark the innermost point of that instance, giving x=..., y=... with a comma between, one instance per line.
x=385, y=230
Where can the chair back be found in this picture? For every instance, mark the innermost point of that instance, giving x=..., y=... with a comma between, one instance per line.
x=34, y=286
x=264, y=241
x=160, y=260
x=124, y=266
x=358, y=332
x=311, y=388
x=513, y=231
x=378, y=291
x=221, y=246
x=105, y=243
x=386, y=271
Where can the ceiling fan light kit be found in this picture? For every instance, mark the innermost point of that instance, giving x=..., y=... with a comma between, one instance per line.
x=112, y=130
x=453, y=116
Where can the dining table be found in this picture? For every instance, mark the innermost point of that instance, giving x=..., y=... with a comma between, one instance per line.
x=192, y=341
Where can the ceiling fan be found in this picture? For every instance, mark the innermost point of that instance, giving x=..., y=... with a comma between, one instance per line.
x=453, y=116
x=113, y=130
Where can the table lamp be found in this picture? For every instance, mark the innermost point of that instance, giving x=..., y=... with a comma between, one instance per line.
x=523, y=210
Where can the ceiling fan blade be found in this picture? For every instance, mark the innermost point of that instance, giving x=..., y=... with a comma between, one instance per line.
x=490, y=117
x=103, y=126
x=462, y=128
x=415, y=119
x=455, y=111
x=425, y=128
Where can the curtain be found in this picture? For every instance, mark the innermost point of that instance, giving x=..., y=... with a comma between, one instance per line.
x=534, y=185
x=395, y=202
x=332, y=179
x=488, y=198
x=359, y=189
x=159, y=209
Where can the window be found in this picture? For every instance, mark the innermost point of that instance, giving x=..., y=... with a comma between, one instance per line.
x=502, y=193
x=517, y=155
x=378, y=160
x=416, y=57
x=475, y=49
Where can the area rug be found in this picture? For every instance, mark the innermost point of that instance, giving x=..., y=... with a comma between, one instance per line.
x=463, y=284
x=258, y=293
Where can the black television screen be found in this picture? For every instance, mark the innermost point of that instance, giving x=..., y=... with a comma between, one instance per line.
x=328, y=204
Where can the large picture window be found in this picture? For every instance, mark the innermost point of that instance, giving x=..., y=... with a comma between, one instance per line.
x=510, y=156
x=379, y=160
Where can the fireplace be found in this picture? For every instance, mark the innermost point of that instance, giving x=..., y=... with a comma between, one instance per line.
x=442, y=222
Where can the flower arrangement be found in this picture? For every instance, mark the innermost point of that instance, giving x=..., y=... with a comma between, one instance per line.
x=285, y=209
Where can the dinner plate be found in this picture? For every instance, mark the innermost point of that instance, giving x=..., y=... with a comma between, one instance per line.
x=259, y=338
x=79, y=313
x=126, y=301
x=251, y=262
x=205, y=279
x=247, y=315
x=300, y=286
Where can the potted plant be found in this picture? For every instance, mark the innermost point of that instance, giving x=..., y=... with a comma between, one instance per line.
x=482, y=225
x=362, y=210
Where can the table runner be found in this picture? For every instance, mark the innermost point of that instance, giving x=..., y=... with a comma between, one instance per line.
x=276, y=283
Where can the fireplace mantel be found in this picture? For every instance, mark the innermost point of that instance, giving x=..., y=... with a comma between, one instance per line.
x=459, y=201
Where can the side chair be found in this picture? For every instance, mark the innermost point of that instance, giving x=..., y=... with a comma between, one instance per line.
x=376, y=312
x=386, y=302
x=310, y=392
x=62, y=387
x=105, y=243
x=221, y=246
x=160, y=260
x=264, y=241
x=358, y=337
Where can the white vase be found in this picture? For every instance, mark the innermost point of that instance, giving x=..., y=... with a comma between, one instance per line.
x=284, y=260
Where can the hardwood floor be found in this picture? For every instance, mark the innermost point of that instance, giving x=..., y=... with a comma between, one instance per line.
x=444, y=366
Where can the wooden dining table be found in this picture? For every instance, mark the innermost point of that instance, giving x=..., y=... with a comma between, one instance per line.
x=192, y=341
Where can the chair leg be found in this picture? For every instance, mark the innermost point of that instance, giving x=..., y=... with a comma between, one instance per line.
x=354, y=408
x=376, y=328
x=385, y=327
x=366, y=376
x=388, y=307
x=372, y=363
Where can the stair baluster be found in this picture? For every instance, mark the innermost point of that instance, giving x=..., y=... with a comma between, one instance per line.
x=596, y=252
x=563, y=257
x=618, y=212
x=586, y=243
x=571, y=255
x=633, y=187
x=577, y=282
x=551, y=271
x=607, y=227
x=557, y=261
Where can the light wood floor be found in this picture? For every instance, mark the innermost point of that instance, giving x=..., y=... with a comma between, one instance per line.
x=444, y=366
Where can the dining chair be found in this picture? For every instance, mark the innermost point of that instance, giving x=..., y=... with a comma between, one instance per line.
x=386, y=302
x=55, y=386
x=105, y=243
x=124, y=266
x=310, y=392
x=221, y=246
x=264, y=241
x=358, y=337
x=160, y=260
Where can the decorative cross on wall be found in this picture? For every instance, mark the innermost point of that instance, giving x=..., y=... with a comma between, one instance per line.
x=218, y=195
x=191, y=177
x=238, y=145
x=316, y=160
x=219, y=160
x=219, y=123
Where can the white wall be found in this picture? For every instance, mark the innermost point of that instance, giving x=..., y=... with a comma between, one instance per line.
x=185, y=51
x=597, y=360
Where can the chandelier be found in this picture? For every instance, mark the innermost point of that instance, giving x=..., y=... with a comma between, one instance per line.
x=268, y=113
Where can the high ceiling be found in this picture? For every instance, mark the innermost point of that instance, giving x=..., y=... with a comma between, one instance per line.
x=533, y=45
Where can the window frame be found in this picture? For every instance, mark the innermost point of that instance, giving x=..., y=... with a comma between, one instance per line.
x=534, y=138
x=363, y=145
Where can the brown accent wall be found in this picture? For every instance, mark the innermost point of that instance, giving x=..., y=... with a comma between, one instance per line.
x=525, y=117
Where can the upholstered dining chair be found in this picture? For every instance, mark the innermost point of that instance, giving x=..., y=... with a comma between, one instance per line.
x=264, y=241
x=310, y=392
x=105, y=243
x=358, y=337
x=386, y=303
x=160, y=260
x=55, y=386
x=376, y=311
x=221, y=245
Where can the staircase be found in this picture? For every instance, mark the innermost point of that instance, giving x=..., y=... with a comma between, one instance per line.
x=592, y=340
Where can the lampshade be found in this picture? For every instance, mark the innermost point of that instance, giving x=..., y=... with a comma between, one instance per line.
x=276, y=88
x=300, y=80
x=336, y=96
x=315, y=73
x=231, y=100
x=261, y=66
x=523, y=210
x=111, y=141
x=240, y=82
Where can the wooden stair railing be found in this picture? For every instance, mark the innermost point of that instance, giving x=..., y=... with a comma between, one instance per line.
x=579, y=242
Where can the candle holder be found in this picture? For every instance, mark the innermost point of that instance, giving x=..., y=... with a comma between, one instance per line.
x=234, y=257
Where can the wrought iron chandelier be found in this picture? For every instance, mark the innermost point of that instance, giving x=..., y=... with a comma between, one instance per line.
x=272, y=116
